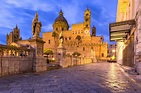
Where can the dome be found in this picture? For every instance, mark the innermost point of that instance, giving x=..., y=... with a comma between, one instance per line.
x=61, y=18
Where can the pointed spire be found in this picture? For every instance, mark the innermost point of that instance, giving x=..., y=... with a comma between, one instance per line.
x=87, y=8
x=61, y=12
x=16, y=26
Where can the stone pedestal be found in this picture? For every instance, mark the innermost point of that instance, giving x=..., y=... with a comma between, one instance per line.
x=39, y=62
x=61, y=53
x=37, y=44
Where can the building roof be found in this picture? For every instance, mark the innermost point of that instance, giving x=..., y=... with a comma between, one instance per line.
x=61, y=18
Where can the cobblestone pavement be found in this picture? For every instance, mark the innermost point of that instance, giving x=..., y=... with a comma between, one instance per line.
x=90, y=78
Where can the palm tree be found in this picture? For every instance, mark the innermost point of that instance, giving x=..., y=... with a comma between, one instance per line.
x=54, y=34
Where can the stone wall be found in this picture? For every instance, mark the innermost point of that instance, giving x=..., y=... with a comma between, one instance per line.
x=15, y=65
x=14, y=60
x=73, y=61
x=40, y=64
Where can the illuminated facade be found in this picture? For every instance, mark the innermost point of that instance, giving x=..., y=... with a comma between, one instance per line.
x=127, y=33
x=77, y=39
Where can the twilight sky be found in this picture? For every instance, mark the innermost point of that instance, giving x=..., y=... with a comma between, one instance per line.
x=22, y=12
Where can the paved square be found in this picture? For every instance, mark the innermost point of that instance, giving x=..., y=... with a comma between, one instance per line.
x=90, y=78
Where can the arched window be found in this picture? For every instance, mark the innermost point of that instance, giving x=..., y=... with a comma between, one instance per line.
x=69, y=38
x=102, y=54
x=62, y=29
x=66, y=38
x=83, y=48
x=48, y=41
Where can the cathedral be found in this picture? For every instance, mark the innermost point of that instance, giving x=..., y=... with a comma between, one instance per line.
x=77, y=39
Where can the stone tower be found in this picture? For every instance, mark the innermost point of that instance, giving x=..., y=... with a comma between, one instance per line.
x=14, y=36
x=87, y=22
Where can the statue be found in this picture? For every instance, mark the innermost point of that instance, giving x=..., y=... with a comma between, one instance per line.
x=36, y=27
x=61, y=39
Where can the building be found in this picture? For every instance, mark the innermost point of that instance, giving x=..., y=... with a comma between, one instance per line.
x=35, y=42
x=112, y=52
x=77, y=39
x=127, y=33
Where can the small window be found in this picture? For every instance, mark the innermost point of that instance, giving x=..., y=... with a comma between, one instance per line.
x=62, y=29
x=86, y=25
x=56, y=29
x=69, y=38
x=48, y=41
x=86, y=14
x=83, y=48
x=66, y=38
x=79, y=32
x=73, y=32
x=86, y=19
x=102, y=54
x=92, y=48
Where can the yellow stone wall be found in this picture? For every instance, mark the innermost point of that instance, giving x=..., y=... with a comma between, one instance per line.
x=126, y=10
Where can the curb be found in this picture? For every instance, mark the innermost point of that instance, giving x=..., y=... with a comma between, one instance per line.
x=132, y=78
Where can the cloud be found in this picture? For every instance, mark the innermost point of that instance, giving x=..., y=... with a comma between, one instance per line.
x=22, y=12
x=32, y=5
x=47, y=27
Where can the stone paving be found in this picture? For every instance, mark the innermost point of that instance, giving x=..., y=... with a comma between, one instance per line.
x=90, y=78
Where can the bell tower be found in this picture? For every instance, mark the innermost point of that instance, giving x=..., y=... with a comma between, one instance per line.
x=87, y=22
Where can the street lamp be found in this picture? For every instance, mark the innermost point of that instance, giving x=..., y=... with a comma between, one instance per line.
x=76, y=58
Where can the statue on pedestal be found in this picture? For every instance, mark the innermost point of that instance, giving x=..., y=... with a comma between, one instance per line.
x=36, y=27
x=61, y=39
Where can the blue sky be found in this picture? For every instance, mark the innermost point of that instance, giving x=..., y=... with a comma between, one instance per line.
x=19, y=12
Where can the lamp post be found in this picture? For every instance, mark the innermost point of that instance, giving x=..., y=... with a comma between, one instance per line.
x=76, y=59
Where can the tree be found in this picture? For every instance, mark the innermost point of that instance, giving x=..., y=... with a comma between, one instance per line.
x=48, y=52
x=76, y=54
x=54, y=34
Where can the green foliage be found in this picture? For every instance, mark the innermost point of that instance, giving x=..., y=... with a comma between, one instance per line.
x=54, y=34
x=48, y=52
x=76, y=54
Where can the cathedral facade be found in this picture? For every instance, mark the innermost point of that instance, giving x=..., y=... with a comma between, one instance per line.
x=78, y=39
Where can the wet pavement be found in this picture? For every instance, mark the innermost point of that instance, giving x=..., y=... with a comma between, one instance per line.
x=90, y=78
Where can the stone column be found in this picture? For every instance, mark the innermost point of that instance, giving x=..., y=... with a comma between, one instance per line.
x=61, y=53
x=119, y=53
